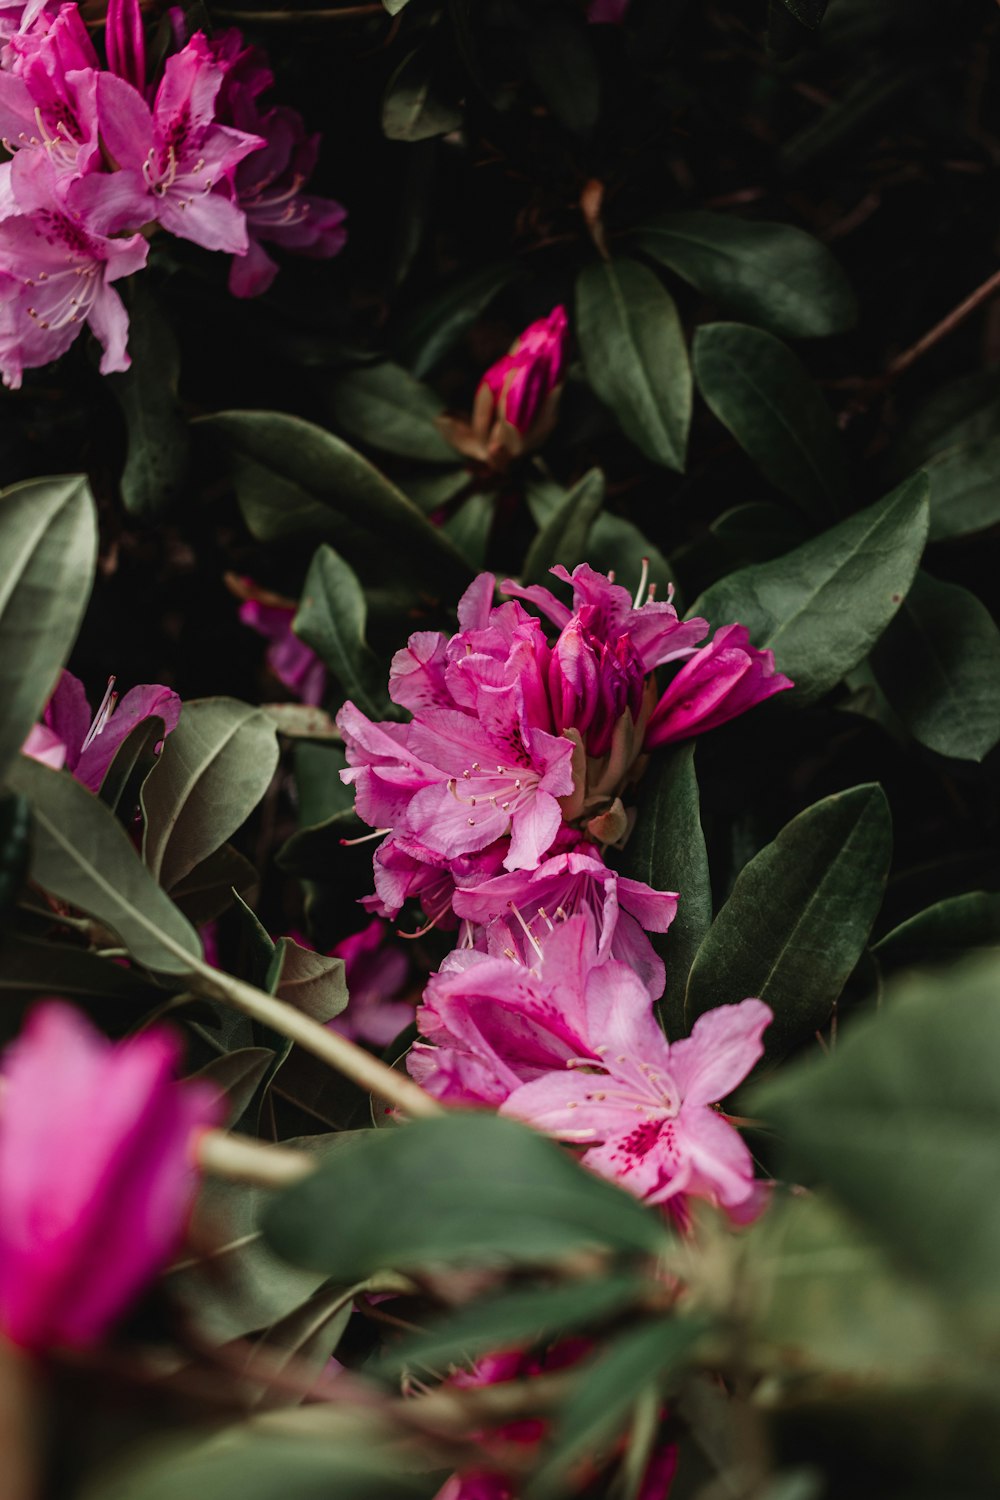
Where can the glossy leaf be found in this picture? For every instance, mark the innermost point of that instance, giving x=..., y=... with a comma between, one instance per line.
x=452, y=1191
x=774, y=275
x=331, y=619
x=312, y=982
x=798, y=917
x=470, y=527
x=965, y=489
x=31, y=965
x=159, y=444
x=438, y=323
x=237, y=1076
x=81, y=854
x=938, y=665
x=903, y=1123
x=762, y=393
x=635, y=356
x=944, y=931
x=563, y=539
x=412, y=110
x=207, y=891
x=385, y=407
x=667, y=851
x=48, y=549
x=822, y=607
x=212, y=772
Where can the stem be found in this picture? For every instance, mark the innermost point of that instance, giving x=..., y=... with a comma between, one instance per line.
x=291, y=17
x=983, y=293
x=240, y=1159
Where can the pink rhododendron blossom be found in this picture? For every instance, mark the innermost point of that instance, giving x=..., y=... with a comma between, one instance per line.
x=517, y=400
x=96, y=1174
x=177, y=162
x=85, y=743
x=48, y=91
x=492, y=1023
x=645, y=1111
x=291, y=660
x=58, y=263
x=125, y=42
x=724, y=679
x=375, y=971
x=16, y=17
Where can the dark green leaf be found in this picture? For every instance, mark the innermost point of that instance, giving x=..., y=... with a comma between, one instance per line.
x=331, y=619
x=903, y=1123
x=944, y=931
x=292, y=478
x=608, y=1388
x=31, y=965
x=667, y=851
x=635, y=356
x=412, y=110
x=384, y=406
x=436, y=325
x=466, y=1188
x=237, y=1076
x=822, y=607
x=956, y=415
x=938, y=665
x=564, y=70
x=159, y=444
x=798, y=917
x=207, y=890
x=48, y=548
x=312, y=982
x=809, y=12
x=134, y=759
x=81, y=853
x=563, y=539
x=758, y=531
x=470, y=527
x=965, y=489
x=763, y=394
x=15, y=829
x=522, y=1316
x=774, y=275
x=213, y=770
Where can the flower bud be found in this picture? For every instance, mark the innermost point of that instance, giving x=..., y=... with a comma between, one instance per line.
x=573, y=679
x=125, y=42
x=723, y=679
x=516, y=403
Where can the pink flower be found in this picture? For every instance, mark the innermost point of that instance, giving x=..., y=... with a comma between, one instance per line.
x=644, y=1112
x=48, y=91
x=516, y=403
x=84, y=743
x=492, y=1023
x=375, y=972
x=58, y=265
x=291, y=660
x=610, y=12
x=176, y=161
x=125, y=42
x=96, y=1174
x=724, y=679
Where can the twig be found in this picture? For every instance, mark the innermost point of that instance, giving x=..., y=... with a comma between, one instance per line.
x=989, y=288
x=241, y=1159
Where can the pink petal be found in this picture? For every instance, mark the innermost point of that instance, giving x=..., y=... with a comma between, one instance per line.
x=724, y=1045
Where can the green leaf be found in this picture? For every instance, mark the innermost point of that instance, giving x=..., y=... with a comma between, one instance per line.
x=965, y=489
x=607, y=1389
x=331, y=619
x=809, y=12
x=294, y=479
x=938, y=665
x=798, y=917
x=470, y=527
x=159, y=443
x=411, y=110
x=436, y=325
x=208, y=890
x=667, y=851
x=522, y=1316
x=764, y=395
x=635, y=356
x=237, y=1076
x=774, y=275
x=48, y=550
x=132, y=763
x=213, y=770
x=82, y=855
x=29, y=965
x=564, y=69
x=15, y=828
x=312, y=982
x=384, y=406
x=563, y=539
x=823, y=606
x=462, y=1189
x=944, y=931
x=903, y=1123
x=758, y=531
x=962, y=413
x=395, y=6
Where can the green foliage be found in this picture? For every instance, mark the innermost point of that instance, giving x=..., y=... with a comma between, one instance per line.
x=563, y=538
x=331, y=619
x=385, y=407
x=159, y=440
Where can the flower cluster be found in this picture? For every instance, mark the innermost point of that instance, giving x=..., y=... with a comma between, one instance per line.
x=498, y=800
x=101, y=157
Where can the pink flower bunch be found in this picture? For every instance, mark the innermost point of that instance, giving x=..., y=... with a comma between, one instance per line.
x=100, y=158
x=89, y=1215
x=70, y=736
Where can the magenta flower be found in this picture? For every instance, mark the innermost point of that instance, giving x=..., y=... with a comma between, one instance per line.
x=125, y=42
x=58, y=265
x=48, y=91
x=517, y=400
x=96, y=1174
x=609, y=12
x=177, y=162
x=724, y=679
x=375, y=972
x=85, y=744
x=492, y=1024
x=645, y=1112
x=291, y=660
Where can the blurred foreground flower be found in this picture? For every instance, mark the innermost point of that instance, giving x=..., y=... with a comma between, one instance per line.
x=97, y=1174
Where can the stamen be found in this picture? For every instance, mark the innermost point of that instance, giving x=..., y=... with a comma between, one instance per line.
x=643, y=580
x=103, y=714
x=525, y=928
x=365, y=838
